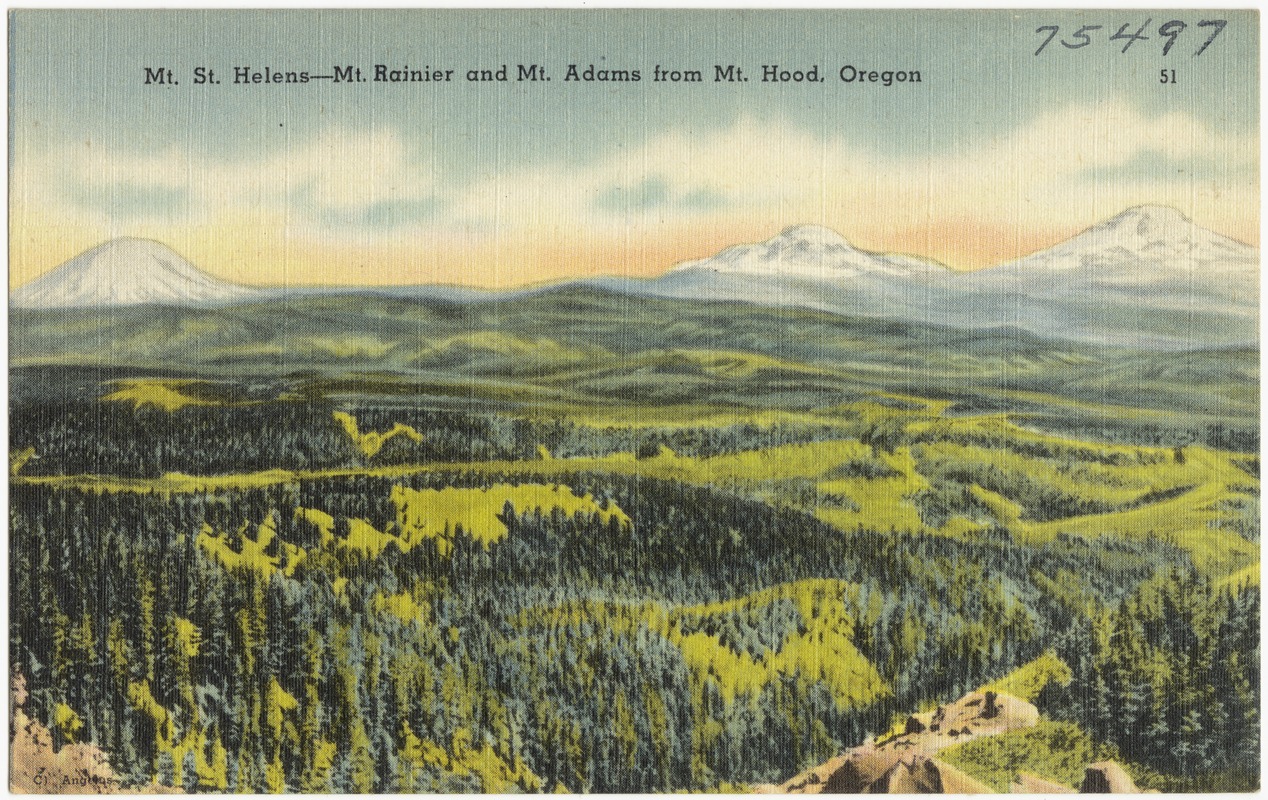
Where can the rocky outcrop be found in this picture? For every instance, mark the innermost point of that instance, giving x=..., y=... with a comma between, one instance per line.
x=920, y=774
x=36, y=768
x=907, y=763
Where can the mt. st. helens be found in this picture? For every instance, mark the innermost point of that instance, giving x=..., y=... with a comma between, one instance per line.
x=127, y=272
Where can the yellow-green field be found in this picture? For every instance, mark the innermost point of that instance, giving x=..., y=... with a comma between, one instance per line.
x=164, y=394
x=428, y=515
x=370, y=443
x=822, y=650
x=1189, y=497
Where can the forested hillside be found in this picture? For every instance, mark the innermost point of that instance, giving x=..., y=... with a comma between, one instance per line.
x=340, y=580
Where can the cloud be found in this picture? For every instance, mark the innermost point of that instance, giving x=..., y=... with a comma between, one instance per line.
x=355, y=176
x=1148, y=166
x=656, y=192
x=1048, y=177
x=1111, y=134
x=677, y=196
x=672, y=178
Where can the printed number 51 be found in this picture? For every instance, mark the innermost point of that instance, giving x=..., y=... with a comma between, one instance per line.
x=1167, y=76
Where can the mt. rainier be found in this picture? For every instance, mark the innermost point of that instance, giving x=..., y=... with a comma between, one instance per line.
x=808, y=251
x=806, y=266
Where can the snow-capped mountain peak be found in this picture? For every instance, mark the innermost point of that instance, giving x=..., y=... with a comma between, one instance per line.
x=1149, y=277
x=1146, y=222
x=806, y=251
x=810, y=236
x=124, y=272
x=1147, y=241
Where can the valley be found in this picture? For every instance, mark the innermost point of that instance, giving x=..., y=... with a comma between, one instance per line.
x=591, y=539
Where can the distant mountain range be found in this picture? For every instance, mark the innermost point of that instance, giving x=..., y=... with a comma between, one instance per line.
x=1147, y=277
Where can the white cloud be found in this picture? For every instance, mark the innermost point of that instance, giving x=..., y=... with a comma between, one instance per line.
x=340, y=170
x=1043, y=173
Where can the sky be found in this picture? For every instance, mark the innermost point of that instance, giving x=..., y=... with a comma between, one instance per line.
x=995, y=153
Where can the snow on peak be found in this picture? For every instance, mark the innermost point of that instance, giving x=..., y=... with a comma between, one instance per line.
x=1147, y=221
x=1145, y=240
x=126, y=271
x=811, y=236
x=806, y=251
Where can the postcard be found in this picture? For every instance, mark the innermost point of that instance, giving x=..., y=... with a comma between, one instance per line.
x=634, y=401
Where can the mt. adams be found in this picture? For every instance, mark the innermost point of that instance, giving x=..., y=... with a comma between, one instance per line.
x=1148, y=242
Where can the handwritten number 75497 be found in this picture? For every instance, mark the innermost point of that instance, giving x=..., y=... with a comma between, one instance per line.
x=1170, y=31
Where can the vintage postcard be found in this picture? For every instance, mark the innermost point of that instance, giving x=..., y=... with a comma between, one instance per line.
x=634, y=401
